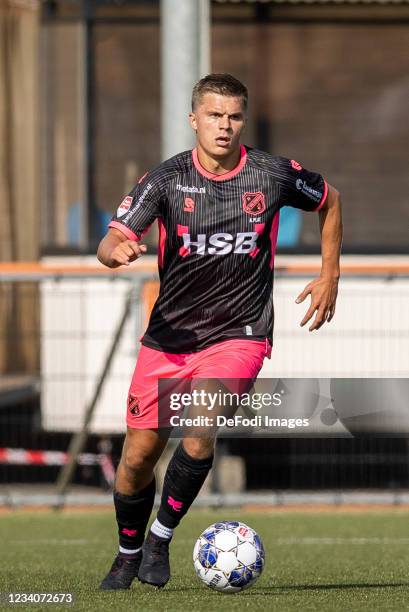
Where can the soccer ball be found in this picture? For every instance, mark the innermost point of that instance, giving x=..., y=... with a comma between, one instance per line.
x=228, y=556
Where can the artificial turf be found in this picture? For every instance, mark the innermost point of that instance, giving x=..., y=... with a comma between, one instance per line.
x=326, y=561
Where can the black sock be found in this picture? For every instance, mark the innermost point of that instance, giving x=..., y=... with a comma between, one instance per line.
x=132, y=516
x=183, y=480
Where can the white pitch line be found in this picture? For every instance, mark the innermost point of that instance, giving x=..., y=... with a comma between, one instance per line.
x=311, y=540
x=283, y=541
x=54, y=541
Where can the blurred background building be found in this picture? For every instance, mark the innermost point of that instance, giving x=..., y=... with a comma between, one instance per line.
x=81, y=110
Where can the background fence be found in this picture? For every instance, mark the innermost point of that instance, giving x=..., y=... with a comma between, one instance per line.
x=63, y=326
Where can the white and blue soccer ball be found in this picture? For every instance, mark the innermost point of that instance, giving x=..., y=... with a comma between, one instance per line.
x=228, y=556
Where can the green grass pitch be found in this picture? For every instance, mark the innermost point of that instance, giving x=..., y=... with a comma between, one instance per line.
x=327, y=561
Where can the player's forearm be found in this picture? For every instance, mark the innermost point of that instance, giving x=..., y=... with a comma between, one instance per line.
x=106, y=248
x=331, y=234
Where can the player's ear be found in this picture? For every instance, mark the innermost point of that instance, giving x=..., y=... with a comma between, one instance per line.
x=192, y=120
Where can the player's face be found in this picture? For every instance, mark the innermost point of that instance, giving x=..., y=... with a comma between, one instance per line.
x=218, y=121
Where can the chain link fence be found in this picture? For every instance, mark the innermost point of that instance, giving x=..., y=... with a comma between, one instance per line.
x=69, y=340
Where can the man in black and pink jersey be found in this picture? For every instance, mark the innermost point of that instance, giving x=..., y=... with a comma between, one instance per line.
x=218, y=213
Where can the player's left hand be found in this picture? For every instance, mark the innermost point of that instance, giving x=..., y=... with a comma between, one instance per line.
x=323, y=291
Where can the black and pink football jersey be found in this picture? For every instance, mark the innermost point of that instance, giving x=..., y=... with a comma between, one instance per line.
x=217, y=240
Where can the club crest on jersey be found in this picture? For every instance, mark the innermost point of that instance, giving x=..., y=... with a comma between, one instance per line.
x=254, y=203
x=124, y=206
x=133, y=404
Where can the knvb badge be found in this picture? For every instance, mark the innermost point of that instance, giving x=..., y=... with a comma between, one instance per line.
x=124, y=206
x=296, y=165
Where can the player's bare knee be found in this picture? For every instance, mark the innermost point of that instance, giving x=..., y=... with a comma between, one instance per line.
x=141, y=451
x=199, y=448
x=138, y=461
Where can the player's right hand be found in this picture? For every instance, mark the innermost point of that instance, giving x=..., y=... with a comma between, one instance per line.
x=126, y=252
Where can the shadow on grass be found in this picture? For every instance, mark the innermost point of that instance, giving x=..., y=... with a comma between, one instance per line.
x=323, y=587
x=300, y=587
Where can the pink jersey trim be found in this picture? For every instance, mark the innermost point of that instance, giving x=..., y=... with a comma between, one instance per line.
x=220, y=177
x=125, y=230
x=259, y=228
x=161, y=246
x=273, y=237
x=324, y=198
x=183, y=229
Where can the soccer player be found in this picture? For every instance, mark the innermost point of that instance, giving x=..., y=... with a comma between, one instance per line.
x=218, y=211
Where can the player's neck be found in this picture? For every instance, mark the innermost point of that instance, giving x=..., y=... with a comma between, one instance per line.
x=218, y=165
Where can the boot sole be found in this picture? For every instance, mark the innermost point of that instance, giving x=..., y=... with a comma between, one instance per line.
x=114, y=588
x=146, y=580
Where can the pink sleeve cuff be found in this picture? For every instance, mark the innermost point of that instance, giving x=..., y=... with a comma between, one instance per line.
x=323, y=199
x=125, y=230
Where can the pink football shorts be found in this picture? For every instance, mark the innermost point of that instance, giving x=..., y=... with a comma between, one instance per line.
x=230, y=359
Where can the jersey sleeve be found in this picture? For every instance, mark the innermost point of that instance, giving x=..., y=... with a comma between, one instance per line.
x=139, y=209
x=300, y=188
